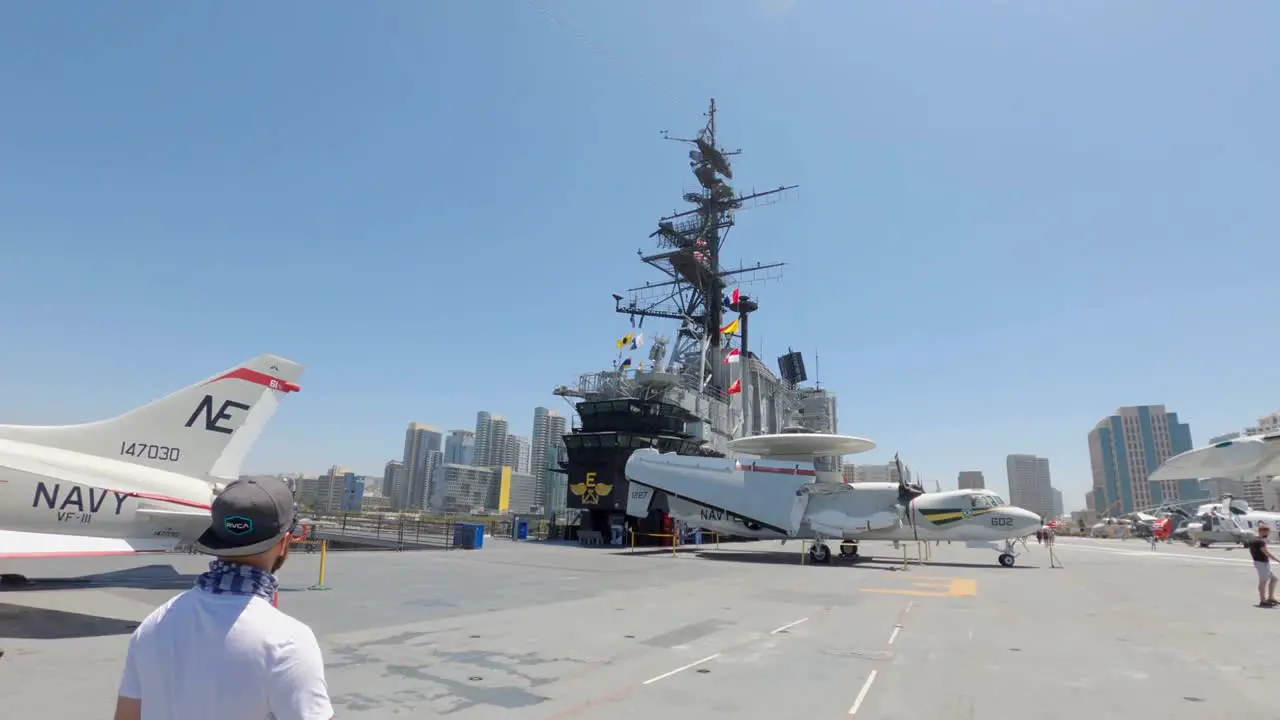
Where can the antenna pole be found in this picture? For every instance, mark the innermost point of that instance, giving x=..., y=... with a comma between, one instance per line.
x=690, y=245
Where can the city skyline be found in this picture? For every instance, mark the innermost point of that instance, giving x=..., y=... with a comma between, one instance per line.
x=1152, y=435
x=1168, y=436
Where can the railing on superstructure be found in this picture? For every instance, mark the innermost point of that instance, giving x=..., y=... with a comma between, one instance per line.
x=779, y=400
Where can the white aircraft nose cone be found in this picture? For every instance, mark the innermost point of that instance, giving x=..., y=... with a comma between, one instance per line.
x=1027, y=520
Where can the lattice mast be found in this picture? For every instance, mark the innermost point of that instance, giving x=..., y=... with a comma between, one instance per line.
x=690, y=247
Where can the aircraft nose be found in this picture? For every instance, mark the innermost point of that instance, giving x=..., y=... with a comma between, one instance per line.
x=1028, y=520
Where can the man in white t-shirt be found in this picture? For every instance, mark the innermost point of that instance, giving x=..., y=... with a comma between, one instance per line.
x=221, y=650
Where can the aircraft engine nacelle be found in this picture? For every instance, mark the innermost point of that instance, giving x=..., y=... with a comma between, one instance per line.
x=836, y=523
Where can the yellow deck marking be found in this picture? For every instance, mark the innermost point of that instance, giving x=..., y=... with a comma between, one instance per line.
x=933, y=587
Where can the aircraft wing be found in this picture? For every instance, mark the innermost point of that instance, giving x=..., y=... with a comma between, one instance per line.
x=16, y=545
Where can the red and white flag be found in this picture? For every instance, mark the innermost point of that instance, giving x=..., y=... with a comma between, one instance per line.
x=733, y=356
x=735, y=388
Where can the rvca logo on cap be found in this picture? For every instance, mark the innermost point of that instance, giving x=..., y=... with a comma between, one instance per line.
x=238, y=525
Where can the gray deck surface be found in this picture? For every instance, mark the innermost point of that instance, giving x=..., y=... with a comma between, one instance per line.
x=549, y=631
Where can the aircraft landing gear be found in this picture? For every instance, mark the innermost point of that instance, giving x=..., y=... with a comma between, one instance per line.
x=1007, y=557
x=849, y=549
x=820, y=553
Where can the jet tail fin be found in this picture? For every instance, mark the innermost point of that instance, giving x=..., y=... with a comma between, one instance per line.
x=203, y=430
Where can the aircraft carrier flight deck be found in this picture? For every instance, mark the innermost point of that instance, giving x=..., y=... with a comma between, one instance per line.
x=539, y=630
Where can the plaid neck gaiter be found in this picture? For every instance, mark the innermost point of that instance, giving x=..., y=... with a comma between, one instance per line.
x=224, y=578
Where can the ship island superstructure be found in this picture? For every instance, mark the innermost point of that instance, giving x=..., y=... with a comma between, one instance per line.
x=696, y=385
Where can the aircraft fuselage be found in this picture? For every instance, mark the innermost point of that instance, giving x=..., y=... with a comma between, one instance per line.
x=932, y=522
x=47, y=490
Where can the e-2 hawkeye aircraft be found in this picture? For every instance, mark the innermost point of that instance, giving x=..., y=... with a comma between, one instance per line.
x=783, y=496
x=140, y=482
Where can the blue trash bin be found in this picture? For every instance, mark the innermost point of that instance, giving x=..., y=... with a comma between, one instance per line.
x=520, y=530
x=468, y=536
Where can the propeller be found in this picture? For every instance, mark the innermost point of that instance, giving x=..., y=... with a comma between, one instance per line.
x=907, y=494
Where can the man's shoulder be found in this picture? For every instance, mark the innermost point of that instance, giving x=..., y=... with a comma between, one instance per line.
x=283, y=628
x=155, y=616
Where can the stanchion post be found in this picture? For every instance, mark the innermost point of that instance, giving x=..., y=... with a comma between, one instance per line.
x=324, y=566
x=904, y=556
x=1054, y=562
x=633, y=540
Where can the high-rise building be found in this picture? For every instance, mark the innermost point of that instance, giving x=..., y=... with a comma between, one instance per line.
x=548, y=436
x=491, y=440
x=1058, y=509
x=421, y=497
x=353, y=492
x=518, y=454
x=338, y=490
x=392, y=475
x=1126, y=447
x=419, y=442
x=971, y=480
x=886, y=473
x=1029, y=484
x=817, y=412
x=463, y=488
x=1266, y=425
x=460, y=447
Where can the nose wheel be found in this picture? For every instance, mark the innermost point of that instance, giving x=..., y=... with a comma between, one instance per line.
x=849, y=549
x=1007, y=557
x=820, y=553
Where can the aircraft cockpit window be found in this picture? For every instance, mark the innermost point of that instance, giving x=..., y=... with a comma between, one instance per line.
x=981, y=501
x=996, y=501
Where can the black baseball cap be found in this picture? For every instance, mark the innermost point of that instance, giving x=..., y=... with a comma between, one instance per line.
x=248, y=517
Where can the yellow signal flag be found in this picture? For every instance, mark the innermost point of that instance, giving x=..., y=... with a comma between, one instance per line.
x=732, y=328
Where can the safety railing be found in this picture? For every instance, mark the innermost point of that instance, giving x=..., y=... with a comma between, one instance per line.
x=393, y=533
x=675, y=539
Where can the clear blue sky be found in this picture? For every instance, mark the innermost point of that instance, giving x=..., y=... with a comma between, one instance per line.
x=1013, y=217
